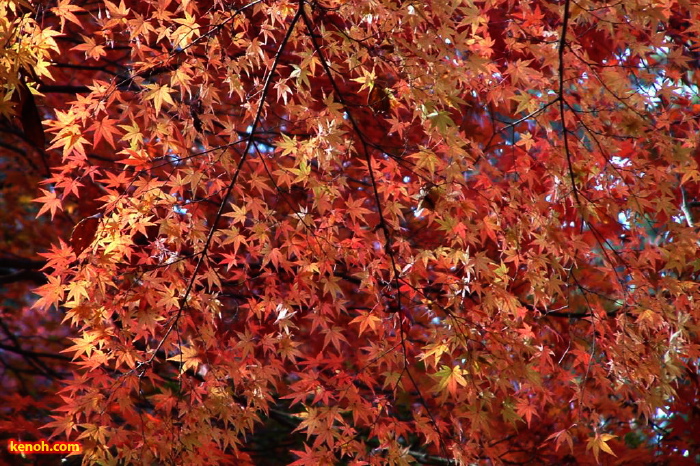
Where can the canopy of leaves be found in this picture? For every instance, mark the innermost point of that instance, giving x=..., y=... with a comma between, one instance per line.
x=351, y=231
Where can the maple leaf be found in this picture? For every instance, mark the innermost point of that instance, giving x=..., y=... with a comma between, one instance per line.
x=355, y=209
x=83, y=345
x=104, y=128
x=50, y=294
x=188, y=358
x=561, y=437
x=525, y=408
x=187, y=30
x=118, y=12
x=435, y=351
x=599, y=443
x=62, y=425
x=91, y=49
x=158, y=94
x=450, y=378
x=50, y=202
x=366, y=320
x=65, y=11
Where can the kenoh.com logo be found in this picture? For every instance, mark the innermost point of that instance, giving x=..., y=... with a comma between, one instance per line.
x=43, y=447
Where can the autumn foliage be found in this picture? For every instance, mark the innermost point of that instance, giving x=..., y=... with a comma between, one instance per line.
x=321, y=232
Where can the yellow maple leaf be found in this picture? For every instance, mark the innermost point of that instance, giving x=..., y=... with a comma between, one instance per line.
x=188, y=358
x=158, y=94
x=598, y=443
